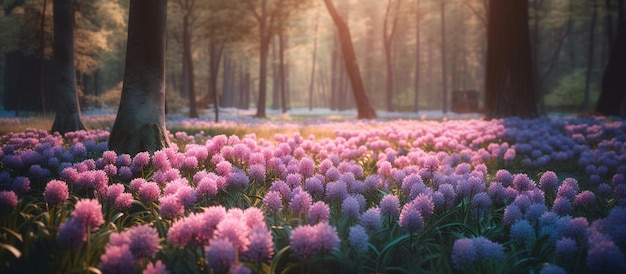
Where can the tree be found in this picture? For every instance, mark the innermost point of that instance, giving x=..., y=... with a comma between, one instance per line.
x=613, y=87
x=444, y=75
x=510, y=84
x=417, y=55
x=189, y=90
x=67, y=116
x=388, y=35
x=364, y=108
x=592, y=30
x=140, y=122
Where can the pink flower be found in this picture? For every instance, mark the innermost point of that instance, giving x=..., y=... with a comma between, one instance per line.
x=88, y=212
x=56, y=193
x=171, y=207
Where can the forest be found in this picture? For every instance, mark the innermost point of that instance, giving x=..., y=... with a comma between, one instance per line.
x=303, y=136
x=413, y=55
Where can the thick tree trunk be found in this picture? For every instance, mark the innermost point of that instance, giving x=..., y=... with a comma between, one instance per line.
x=444, y=75
x=417, y=57
x=42, y=50
x=388, y=35
x=364, y=108
x=67, y=116
x=265, y=37
x=613, y=90
x=592, y=31
x=140, y=122
x=510, y=84
x=215, y=55
x=314, y=59
x=189, y=81
x=275, y=76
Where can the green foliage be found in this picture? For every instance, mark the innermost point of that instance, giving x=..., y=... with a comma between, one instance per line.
x=569, y=92
x=109, y=99
x=174, y=102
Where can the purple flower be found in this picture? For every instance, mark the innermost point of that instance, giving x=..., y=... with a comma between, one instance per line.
x=481, y=203
x=123, y=160
x=504, y=176
x=160, y=160
x=389, y=206
x=350, y=208
x=336, y=191
x=117, y=259
x=521, y=182
x=614, y=225
x=187, y=196
x=56, y=193
x=149, y=192
x=220, y=255
x=314, y=186
x=237, y=179
x=319, y=212
x=88, y=212
x=300, y=203
x=272, y=201
x=549, y=182
x=552, y=269
x=523, y=232
x=223, y=168
x=358, y=238
x=156, y=268
x=109, y=157
x=584, y=199
x=411, y=218
x=72, y=233
x=144, y=241
x=603, y=256
x=36, y=171
x=307, y=241
x=512, y=213
x=124, y=173
x=463, y=253
x=566, y=249
x=371, y=219
x=294, y=180
x=123, y=201
x=171, y=207
x=307, y=167
x=235, y=231
x=112, y=191
x=562, y=206
x=261, y=246
x=256, y=172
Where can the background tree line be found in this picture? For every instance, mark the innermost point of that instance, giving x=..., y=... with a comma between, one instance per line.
x=412, y=54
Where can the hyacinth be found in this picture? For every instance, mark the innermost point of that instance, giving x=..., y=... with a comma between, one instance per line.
x=314, y=186
x=56, y=193
x=350, y=208
x=562, y=206
x=584, y=199
x=389, y=206
x=306, y=241
x=156, y=268
x=552, y=269
x=235, y=231
x=220, y=255
x=256, y=172
x=72, y=233
x=512, y=213
x=112, y=191
x=371, y=219
x=272, y=201
x=614, y=224
x=549, y=182
x=603, y=256
x=144, y=241
x=504, y=176
x=88, y=212
x=261, y=246
x=523, y=232
x=117, y=259
x=300, y=203
x=411, y=219
x=358, y=238
x=149, y=192
x=566, y=249
x=319, y=212
x=171, y=207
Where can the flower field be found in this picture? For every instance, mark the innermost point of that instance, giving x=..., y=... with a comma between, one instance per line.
x=458, y=196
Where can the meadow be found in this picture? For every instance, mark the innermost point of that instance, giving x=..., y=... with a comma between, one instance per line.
x=319, y=196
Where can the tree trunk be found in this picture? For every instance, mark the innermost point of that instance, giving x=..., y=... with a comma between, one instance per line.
x=42, y=50
x=592, y=31
x=444, y=75
x=275, y=76
x=215, y=55
x=140, y=122
x=67, y=116
x=282, y=75
x=189, y=81
x=364, y=108
x=265, y=37
x=388, y=36
x=314, y=59
x=613, y=90
x=510, y=84
x=417, y=57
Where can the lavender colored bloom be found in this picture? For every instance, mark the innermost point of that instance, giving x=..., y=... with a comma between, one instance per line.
x=314, y=186
x=156, y=268
x=112, y=191
x=272, y=201
x=481, y=203
x=463, y=253
x=549, y=182
x=350, y=207
x=235, y=231
x=171, y=207
x=504, y=176
x=319, y=212
x=36, y=171
x=294, y=180
x=223, y=168
x=584, y=199
x=614, y=224
x=307, y=167
x=336, y=191
x=123, y=201
x=207, y=188
x=261, y=246
x=56, y=193
x=220, y=255
x=187, y=196
x=521, y=182
x=72, y=233
x=603, y=256
x=124, y=173
x=523, y=232
x=149, y=192
x=117, y=259
x=566, y=249
x=8, y=201
x=256, y=172
x=411, y=218
x=389, y=206
x=89, y=213
x=332, y=174
x=300, y=203
x=109, y=157
x=141, y=159
x=371, y=219
x=21, y=185
x=123, y=160
x=358, y=238
x=239, y=269
x=488, y=250
x=552, y=269
x=562, y=206
x=512, y=213
x=237, y=179
x=604, y=191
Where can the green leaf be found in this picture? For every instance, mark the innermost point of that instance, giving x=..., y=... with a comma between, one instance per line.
x=15, y=234
x=277, y=258
x=12, y=249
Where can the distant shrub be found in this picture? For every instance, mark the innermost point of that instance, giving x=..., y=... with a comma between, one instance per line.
x=108, y=99
x=570, y=91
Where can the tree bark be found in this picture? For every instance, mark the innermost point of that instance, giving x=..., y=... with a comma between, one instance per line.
x=388, y=35
x=67, y=116
x=189, y=82
x=314, y=59
x=282, y=75
x=215, y=55
x=364, y=108
x=444, y=75
x=510, y=84
x=613, y=90
x=417, y=57
x=140, y=122
x=592, y=31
